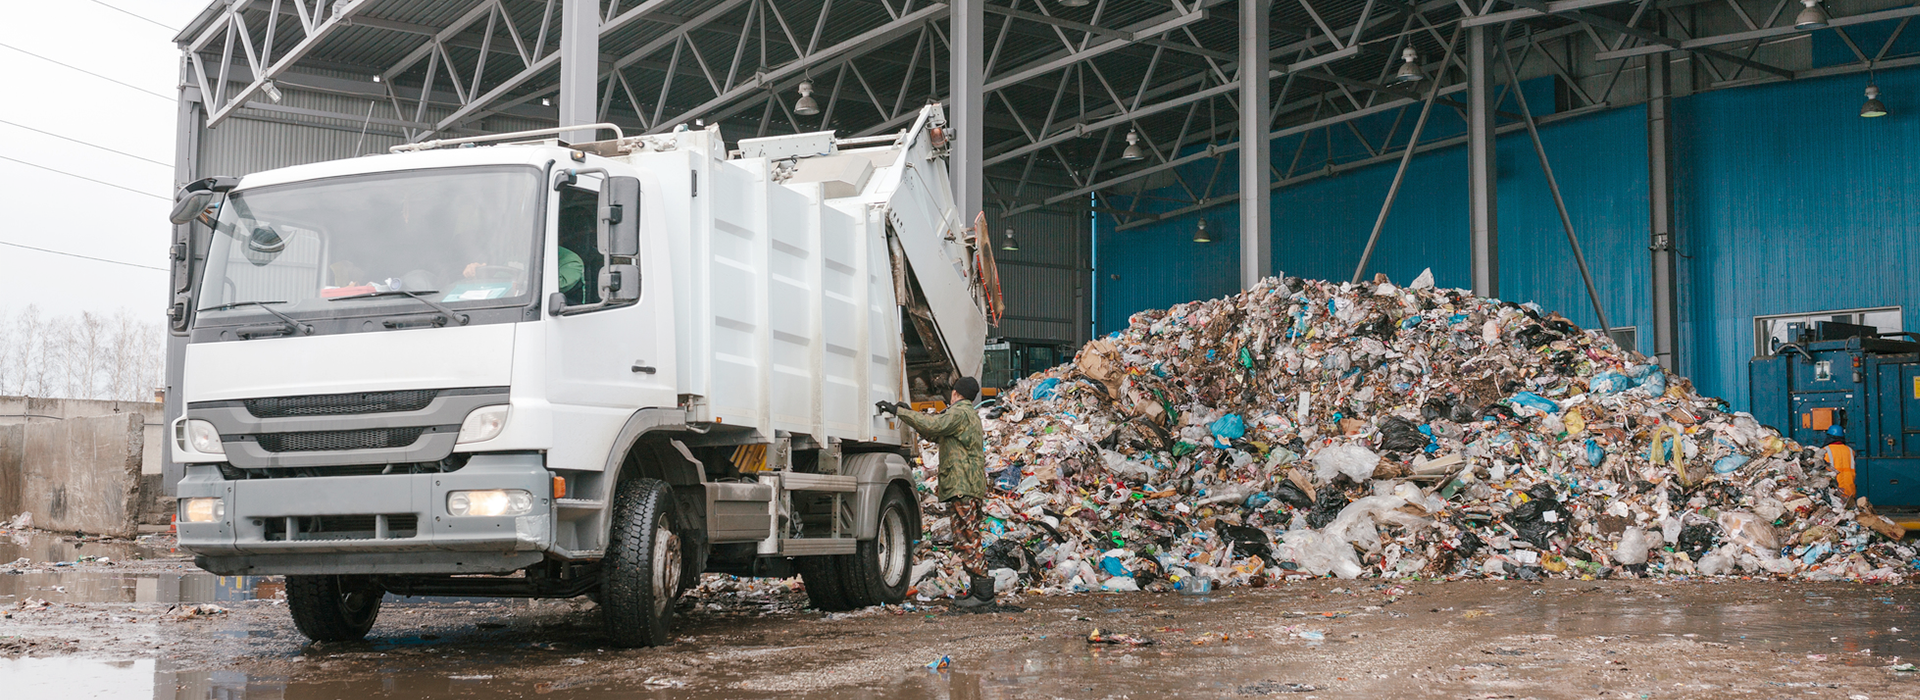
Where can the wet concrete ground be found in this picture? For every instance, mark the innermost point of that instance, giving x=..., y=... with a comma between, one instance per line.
x=155, y=628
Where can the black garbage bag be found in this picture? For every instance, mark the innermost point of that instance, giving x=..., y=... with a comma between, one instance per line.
x=1697, y=539
x=1327, y=508
x=1005, y=553
x=1540, y=518
x=1251, y=541
x=1291, y=495
x=1470, y=542
x=1401, y=435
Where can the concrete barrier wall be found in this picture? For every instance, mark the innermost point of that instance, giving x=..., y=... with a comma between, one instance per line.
x=78, y=465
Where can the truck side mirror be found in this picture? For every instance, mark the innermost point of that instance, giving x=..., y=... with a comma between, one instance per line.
x=620, y=216
x=189, y=204
x=620, y=283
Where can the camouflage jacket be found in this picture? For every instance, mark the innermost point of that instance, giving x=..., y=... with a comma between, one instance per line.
x=963, y=452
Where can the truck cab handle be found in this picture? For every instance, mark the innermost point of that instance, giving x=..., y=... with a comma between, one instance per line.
x=639, y=368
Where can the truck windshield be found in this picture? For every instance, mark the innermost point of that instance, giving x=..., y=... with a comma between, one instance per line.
x=467, y=235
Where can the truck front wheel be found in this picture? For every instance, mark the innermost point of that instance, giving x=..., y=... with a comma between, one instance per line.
x=641, y=575
x=333, y=608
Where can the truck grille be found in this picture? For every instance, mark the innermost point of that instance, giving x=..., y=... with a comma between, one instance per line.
x=341, y=404
x=330, y=440
x=339, y=527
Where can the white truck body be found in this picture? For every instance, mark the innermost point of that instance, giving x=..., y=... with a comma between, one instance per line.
x=768, y=323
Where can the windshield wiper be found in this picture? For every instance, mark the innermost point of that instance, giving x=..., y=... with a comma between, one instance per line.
x=440, y=320
x=292, y=326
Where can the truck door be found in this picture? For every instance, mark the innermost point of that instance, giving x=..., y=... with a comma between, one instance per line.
x=602, y=363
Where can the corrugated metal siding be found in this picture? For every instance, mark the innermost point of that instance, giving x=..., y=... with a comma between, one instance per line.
x=1045, y=281
x=1814, y=209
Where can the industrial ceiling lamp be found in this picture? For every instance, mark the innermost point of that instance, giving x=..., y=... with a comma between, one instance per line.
x=544, y=102
x=807, y=106
x=1073, y=3
x=1409, y=71
x=1873, y=106
x=1133, y=152
x=1008, y=243
x=273, y=91
x=1200, y=233
x=1813, y=17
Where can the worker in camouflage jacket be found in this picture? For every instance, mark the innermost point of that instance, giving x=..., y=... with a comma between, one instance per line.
x=963, y=478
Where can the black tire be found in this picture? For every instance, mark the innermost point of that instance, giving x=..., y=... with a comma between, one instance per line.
x=825, y=578
x=640, y=576
x=883, y=566
x=333, y=608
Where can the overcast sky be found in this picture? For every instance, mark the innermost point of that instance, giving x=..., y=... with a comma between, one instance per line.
x=50, y=210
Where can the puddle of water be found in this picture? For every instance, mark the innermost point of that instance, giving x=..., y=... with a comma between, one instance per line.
x=43, y=546
x=112, y=587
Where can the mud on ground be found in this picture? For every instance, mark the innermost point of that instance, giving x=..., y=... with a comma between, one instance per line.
x=155, y=627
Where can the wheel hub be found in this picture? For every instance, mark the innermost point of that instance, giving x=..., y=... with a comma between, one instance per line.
x=666, y=567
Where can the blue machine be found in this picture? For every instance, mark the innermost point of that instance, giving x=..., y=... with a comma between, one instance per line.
x=1846, y=375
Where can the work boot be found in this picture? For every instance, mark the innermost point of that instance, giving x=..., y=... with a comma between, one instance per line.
x=979, y=594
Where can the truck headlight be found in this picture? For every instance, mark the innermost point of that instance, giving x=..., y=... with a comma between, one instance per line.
x=203, y=438
x=203, y=510
x=489, y=503
x=484, y=423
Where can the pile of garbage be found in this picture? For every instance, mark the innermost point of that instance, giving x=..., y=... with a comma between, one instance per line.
x=1308, y=429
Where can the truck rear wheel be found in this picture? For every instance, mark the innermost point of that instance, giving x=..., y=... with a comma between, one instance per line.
x=641, y=575
x=882, y=565
x=825, y=578
x=333, y=608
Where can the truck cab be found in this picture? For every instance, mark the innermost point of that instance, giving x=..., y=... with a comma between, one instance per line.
x=545, y=369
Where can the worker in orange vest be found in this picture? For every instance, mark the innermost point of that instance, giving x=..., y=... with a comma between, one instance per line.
x=1840, y=456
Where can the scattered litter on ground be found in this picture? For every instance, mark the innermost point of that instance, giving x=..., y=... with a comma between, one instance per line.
x=1310, y=429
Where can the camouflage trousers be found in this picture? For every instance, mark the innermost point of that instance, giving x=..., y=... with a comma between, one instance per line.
x=966, y=536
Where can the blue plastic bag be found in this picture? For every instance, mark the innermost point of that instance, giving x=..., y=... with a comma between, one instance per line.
x=1046, y=389
x=1230, y=427
x=1609, y=383
x=1595, y=455
x=1650, y=379
x=1729, y=464
x=1535, y=402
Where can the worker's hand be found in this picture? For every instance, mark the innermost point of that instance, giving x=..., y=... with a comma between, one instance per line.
x=883, y=407
x=472, y=269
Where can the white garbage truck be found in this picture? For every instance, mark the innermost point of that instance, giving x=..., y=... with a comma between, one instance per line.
x=517, y=366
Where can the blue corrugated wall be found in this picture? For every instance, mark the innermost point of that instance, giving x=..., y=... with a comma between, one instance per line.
x=1787, y=201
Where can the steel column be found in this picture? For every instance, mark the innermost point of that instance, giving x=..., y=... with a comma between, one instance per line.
x=1666, y=288
x=966, y=162
x=579, y=67
x=1481, y=164
x=1256, y=151
x=186, y=165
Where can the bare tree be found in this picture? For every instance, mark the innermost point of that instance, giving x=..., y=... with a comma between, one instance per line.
x=86, y=356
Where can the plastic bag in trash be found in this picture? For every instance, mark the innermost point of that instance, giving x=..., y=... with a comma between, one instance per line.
x=1729, y=464
x=1046, y=389
x=1352, y=460
x=1632, y=548
x=1229, y=428
x=1401, y=435
x=1535, y=401
x=1609, y=383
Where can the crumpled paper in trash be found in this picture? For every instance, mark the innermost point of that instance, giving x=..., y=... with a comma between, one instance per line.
x=1311, y=428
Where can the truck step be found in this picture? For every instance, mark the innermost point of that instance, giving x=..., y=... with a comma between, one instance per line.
x=796, y=481
x=814, y=547
x=577, y=504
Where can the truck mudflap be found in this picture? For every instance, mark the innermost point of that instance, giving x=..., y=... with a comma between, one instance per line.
x=380, y=524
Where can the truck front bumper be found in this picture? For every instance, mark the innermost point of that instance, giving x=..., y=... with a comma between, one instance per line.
x=384, y=524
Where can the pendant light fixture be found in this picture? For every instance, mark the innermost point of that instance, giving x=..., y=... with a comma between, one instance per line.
x=1410, y=70
x=1873, y=106
x=1133, y=152
x=1200, y=233
x=1007, y=243
x=1813, y=17
x=806, y=106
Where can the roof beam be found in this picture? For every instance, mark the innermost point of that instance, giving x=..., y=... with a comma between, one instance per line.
x=1556, y=7
x=340, y=17
x=1755, y=35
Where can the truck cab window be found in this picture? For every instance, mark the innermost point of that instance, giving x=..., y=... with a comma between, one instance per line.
x=580, y=257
